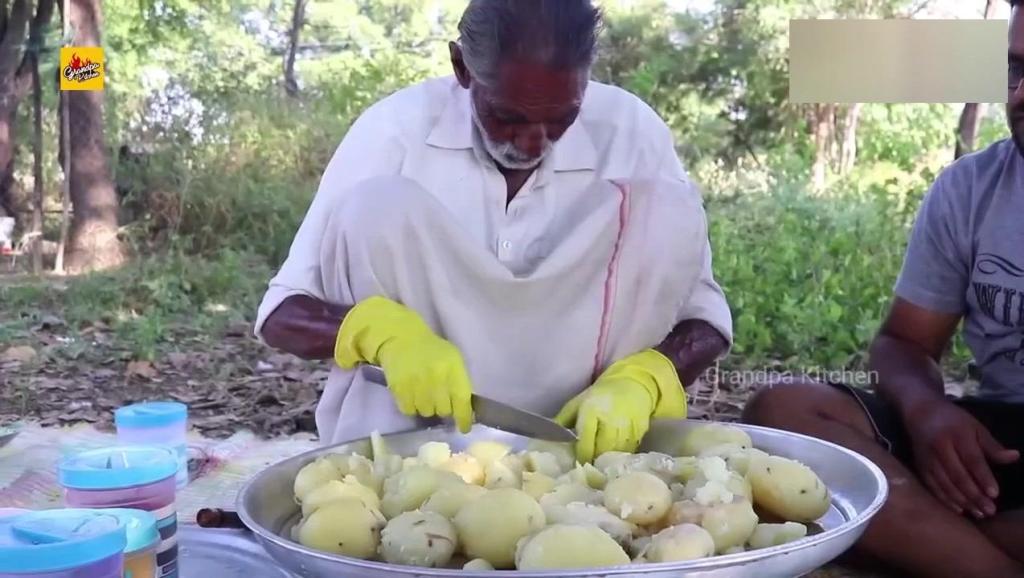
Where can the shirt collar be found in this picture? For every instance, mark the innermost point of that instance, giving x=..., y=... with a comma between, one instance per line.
x=454, y=130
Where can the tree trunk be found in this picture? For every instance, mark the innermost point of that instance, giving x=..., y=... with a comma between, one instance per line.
x=973, y=112
x=291, y=84
x=848, y=146
x=93, y=244
x=37, y=167
x=823, y=128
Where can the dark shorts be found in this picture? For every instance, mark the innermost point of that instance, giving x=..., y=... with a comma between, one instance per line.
x=1004, y=420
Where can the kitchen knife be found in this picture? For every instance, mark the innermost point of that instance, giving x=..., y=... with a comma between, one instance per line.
x=498, y=415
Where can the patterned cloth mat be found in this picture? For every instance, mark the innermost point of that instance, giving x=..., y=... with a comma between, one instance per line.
x=219, y=468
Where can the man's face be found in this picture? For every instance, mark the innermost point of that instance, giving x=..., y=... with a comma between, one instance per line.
x=1015, y=96
x=526, y=111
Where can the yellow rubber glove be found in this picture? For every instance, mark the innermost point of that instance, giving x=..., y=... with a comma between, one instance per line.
x=425, y=373
x=615, y=412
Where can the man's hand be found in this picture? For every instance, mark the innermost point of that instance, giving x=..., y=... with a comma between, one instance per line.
x=615, y=412
x=953, y=451
x=425, y=373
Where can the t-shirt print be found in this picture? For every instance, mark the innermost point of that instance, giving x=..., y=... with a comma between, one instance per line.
x=998, y=284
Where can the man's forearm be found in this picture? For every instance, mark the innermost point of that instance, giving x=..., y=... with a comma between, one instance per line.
x=305, y=327
x=908, y=377
x=693, y=346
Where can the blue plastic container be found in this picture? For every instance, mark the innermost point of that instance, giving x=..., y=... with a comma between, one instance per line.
x=62, y=544
x=163, y=423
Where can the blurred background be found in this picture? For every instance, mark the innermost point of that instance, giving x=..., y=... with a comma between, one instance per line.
x=219, y=117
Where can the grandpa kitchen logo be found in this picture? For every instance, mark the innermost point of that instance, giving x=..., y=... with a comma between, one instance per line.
x=81, y=68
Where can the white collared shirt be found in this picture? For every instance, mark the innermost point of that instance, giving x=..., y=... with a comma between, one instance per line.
x=425, y=133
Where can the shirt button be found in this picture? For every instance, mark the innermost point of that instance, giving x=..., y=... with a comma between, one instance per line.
x=506, y=244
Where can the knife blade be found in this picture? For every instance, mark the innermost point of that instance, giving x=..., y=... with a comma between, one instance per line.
x=498, y=415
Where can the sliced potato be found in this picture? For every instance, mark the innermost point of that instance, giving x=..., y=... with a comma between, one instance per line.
x=544, y=463
x=358, y=466
x=434, y=454
x=487, y=452
x=410, y=488
x=466, y=467
x=537, y=484
x=563, y=452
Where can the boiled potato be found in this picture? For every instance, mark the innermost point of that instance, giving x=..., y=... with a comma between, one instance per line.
x=544, y=463
x=710, y=435
x=734, y=550
x=424, y=539
x=434, y=454
x=565, y=453
x=638, y=547
x=358, y=466
x=589, y=515
x=450, y=498
x=788, y=489
x=587, y=475
x=314, y=475
x=712, y=492
x=729, y=524
x=609, y=460
x=335, y=490
x=769, y=535
x=491, y=526
x=347, y=527
x=569, y=493
x=638, y=497
x=686, y=512
x=466, y=467
x=408, y=489
x=487, y=452
x=680, y=543
x=498, y=474
x=385, y=462
x=478, y=565
x=537, y=484
x=739, y=462
x=685, y=468
x=564, y=546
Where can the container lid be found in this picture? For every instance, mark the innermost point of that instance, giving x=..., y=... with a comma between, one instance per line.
x=118, y=467
x=55, y=540
x=139, y=526
x=151, y=414
x=11, y=512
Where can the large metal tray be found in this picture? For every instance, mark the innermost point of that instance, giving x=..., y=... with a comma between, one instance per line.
x=221, y=553
x=858, y=491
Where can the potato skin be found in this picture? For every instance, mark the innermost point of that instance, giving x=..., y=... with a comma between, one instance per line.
x=490, y=527
x=565, y=546
x=788, y=489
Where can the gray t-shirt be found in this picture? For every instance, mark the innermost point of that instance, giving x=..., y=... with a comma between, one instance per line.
x=966, y=256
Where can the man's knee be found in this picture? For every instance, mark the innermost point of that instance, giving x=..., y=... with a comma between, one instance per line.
x=791, y=405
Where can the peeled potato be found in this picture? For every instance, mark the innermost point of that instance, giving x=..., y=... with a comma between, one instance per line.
x=314, y=475
x=734, y=550
x=488, y=452
x=537, y=484
x=769, y=535
x=347, y=527
x=478, y=565
x=569, y=493
x=434, y=454
x=424, y=539
x=563, y=452
x=359, y=467
x=729, y=524
x=450, y=498
x=739, y=462
x=638, y=497
x=564, y=546
x=587, y=475
x=466, y=467
x=788, y=489
x=609, y=460
x=335, y=490
x=686, y=512
x=498, y=475
x=491, y=526
x=543, y=462
x=710, y=435
x=589, y=515
x=680, y=543
x=408, y=489
x=685, y=468
x=660, y=465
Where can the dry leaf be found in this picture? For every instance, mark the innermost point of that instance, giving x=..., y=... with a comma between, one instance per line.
x=141, y=369
x=20, y=354
x=177, y=360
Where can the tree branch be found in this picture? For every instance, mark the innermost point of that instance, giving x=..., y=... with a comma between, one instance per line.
x=14, y=38
x=36, y=43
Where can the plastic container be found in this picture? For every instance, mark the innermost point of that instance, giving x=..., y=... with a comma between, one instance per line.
x=163, y=423
x=143, y=539
x=11, y=512
x=133, y=477
x=62, y=544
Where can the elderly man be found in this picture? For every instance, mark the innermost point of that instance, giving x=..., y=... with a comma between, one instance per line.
x=516, y=231
x=956, y=504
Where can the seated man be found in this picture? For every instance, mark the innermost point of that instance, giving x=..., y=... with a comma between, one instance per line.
x=515, y=231
x=956, y=503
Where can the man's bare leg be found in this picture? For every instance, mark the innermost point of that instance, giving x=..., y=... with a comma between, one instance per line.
x=1007, y=531
x=913, y=533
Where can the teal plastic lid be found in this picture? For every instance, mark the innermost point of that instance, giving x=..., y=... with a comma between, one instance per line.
x=140, y=529
x=118, y=467
x=151, y=414
x=55, y=540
